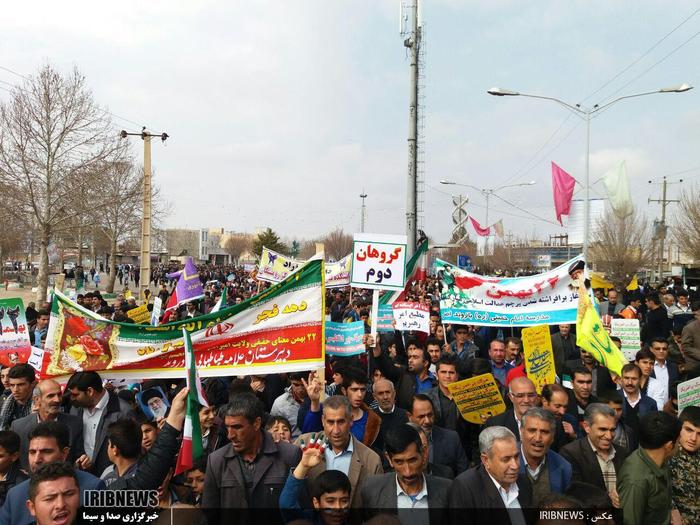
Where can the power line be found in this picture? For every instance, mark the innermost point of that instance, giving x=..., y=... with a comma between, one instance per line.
x=29, y=79
x=640, y=75
x=639, y=58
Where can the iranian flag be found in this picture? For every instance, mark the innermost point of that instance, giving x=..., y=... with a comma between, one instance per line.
x=170, y=306
x=192, y=448
x=416, y=270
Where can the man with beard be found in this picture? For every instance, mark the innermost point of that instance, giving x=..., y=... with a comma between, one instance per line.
x=600, y=376
x=47, y=397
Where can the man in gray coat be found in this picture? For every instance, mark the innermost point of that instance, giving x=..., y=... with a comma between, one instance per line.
x=407, y=491
x=47, y=396
x=249, y=472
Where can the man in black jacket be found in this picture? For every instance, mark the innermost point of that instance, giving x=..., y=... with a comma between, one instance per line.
x=496, y=488
x=587, y=454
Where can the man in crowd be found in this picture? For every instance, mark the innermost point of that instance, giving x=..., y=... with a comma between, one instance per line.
x=636, y=404
x=547, y=471
x=644, y=483
x=685, y=467
x=414, y=495
x=465, y=345
x=366, y=424
x=581, y=394
x=595, y=459
x=656, y=323
x=47, y=397
x=445, y=446
x=664, y=371
x=123, y=450
x=495, y=485
x=391, y=415
x=37, y=335
x=414, y=379
x=10, y=472
x=250, y=471
x=564, y=348
x=22, y=378
x=523, y=395
x=97, y=408
x=287, y=404
x=344, y=451
x=497, y=357
x=446, y=411
x=611, y=307
x=514, y=349
x=690, y=341
x=48, y=443
x=625, y=436
x=54, y=494
x=600, y=375
x=555, y=399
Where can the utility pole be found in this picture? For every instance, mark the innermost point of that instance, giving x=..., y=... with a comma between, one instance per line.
x=413, y=43
x=662, y=224
x=363, y=196
x=145, y=260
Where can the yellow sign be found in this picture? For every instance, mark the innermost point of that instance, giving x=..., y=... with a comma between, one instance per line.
x=128, y=294
x=477, y=398
x=140, y=315
x=539, y=357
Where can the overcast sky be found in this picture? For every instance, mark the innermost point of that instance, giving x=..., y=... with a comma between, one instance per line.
x=281, y=113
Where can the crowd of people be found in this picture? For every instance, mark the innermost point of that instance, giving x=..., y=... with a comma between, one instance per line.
x=377, y=437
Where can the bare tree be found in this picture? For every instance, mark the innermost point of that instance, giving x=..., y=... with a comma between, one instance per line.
x=120, y=215
x=621, y=247
x=237, y=245
x=337, y=244
x=464, y=246
x=686, y=232
x=51, y=130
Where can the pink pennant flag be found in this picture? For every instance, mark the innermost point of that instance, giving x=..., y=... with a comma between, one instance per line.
x=563, y=186
x=481, y=232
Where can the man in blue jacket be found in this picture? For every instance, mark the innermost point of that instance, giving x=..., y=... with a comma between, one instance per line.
x=636, y=404
x=546, y=470
x=48, y=442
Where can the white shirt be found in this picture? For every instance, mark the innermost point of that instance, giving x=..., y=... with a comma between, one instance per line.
x=510, y=496
x=635, y=402
x=661, y=373
x=406, y=505
x=91, y=419
x=656, y=391
x=534, y=473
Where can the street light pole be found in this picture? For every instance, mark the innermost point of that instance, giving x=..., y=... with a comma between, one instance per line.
x=587, y=114
x=363, y=196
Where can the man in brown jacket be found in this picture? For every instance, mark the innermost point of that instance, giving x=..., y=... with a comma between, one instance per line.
x=690, y=343
x=343, y=452
x=250, y=471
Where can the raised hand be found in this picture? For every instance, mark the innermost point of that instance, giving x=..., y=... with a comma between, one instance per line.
x=313, y=387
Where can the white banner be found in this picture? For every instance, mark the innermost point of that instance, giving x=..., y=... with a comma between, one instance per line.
x=412, y=316
x=379, y=261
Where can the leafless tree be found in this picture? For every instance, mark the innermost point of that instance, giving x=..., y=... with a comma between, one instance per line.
x=119, y=219
x=337, y=244
x=686, y=231
x=51, y=130
x=237, y=245
x=621, y=247
x=308, y=249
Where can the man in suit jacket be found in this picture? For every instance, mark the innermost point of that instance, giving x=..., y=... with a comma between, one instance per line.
x=636, y=404
x=47, y=396
x=407, y=489
x=445, y=446
x=50, y=440
x=563, y=347
x=495, y=487
x=664, y=370
x=612, y=306
x=547, y=471
x=96, y=408
x=586, y=454
x=523, y=395
x=344, y=452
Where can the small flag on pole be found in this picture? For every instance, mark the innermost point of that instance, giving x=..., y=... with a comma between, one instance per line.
x=191, y=449
x=221, y=303
x=563, y=187
x=480, y=231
